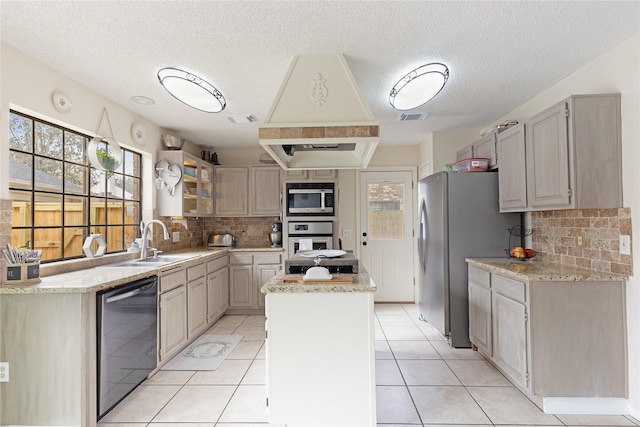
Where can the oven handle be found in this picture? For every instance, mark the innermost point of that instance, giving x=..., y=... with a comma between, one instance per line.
x=309, y=191
x=322, y=202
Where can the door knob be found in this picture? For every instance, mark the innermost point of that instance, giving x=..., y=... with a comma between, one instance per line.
x=364, y=243
x=364, y=234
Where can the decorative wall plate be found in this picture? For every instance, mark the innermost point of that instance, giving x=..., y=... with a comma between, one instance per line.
x=61, y=102
x=138, y=133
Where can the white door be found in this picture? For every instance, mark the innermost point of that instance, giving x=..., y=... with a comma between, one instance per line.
x=386, y=233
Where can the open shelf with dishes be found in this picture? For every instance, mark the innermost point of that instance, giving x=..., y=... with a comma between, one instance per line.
x=195, y=188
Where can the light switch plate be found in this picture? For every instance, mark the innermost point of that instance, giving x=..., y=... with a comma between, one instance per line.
x=625, y=244
x=176, y=236
x=4, y=372
x=346, y=232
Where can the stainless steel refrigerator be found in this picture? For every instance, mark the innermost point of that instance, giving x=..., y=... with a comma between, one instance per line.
x=458, y=218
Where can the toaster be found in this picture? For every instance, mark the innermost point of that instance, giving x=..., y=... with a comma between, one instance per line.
x=221, y=239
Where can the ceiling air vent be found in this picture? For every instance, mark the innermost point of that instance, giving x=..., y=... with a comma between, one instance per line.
x=242, y=118
x=405, y=117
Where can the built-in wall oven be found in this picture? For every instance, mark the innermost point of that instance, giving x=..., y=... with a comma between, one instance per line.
x=127, y=328
x=310, y=199
x=309, y=235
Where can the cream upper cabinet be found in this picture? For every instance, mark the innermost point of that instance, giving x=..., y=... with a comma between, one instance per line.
x=573, y=154
x=265, y=190
x=512, y=175
x=193, y=194
x=247, y=190
x=486, y=147
x=313, y=174
x=232, y=190
x=464, y=152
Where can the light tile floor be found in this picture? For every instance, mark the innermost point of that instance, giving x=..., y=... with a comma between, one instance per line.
x=421, y=381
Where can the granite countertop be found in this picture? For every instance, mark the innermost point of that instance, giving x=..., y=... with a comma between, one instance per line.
x=104, y=277
x=362, y=282
x=541, y=271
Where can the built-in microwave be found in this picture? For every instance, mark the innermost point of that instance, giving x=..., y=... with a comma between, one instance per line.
x=310, y=199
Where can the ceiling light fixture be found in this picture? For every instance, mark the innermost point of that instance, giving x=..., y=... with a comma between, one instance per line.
x=192, y=90
x=419, y=86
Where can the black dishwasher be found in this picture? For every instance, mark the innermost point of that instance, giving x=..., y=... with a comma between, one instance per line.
x=127, y=325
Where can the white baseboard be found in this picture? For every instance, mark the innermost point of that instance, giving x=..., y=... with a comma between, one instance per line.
x=634, y=412
x=586, y=406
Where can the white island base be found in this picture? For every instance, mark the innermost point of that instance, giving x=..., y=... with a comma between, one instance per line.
x=320, y=359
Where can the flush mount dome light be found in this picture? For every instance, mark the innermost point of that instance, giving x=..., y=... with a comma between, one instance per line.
x=418, y=86
x=192, y=90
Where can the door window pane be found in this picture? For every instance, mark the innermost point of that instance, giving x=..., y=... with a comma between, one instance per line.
x=386, y=210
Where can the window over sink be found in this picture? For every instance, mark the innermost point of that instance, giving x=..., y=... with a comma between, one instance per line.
x=58, y=199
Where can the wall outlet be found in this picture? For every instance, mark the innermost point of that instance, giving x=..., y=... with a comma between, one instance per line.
x=625, y=244
x=176, y=236
x=346, y=232
x=4, y=372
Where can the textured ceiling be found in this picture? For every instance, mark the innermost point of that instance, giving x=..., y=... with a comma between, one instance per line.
x=500, y=54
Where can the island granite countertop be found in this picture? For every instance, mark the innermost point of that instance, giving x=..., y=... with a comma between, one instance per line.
x=542, y=271
x=362, y=282
x=104, y=277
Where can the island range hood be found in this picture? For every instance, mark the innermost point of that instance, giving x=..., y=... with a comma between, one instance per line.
x=318, y=119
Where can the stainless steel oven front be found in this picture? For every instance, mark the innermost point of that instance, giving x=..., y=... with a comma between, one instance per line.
x=314, y=235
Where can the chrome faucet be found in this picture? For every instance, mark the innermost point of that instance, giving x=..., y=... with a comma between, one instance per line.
x=145, y=244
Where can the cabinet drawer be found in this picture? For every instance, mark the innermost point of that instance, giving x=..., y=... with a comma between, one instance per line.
x=267, y=258
x=480, y=277
x=196, y=271
x=509, y=288
x=172, y=280
x=240, y=259
x=216, y=264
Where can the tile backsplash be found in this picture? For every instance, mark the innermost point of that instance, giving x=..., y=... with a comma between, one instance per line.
x=250, y=232
x=557, y=233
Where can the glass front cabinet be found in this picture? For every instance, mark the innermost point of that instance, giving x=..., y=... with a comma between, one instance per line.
x=187, y=192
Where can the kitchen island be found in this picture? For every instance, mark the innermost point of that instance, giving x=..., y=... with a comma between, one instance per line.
x=320, y=351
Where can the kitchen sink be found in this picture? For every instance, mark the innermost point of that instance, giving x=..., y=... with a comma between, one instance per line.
x=151, y=262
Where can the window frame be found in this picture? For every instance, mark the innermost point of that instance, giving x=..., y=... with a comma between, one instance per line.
x=115, y=230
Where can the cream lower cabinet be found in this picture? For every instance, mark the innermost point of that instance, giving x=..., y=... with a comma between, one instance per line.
x=557, y=341
x=217, y=288
x=196, y=300
x=173, y=313
x=248, y=271
x=480, y=331
x=509, y=319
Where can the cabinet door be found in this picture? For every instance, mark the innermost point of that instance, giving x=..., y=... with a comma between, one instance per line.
x=242, y=289
x=512, y=175
x=264, y=273
x=196, y=307
x=480, y=317
x=510, y=337
x=265, y=191
x=322, y=174
x=217, y=294
x=205, y=189
x=464, y=153
x=486, y=147
x=173, y=322
x=547, y=152
x=232, y=189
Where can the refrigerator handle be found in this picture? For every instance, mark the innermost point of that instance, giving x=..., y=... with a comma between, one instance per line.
x=422, y=236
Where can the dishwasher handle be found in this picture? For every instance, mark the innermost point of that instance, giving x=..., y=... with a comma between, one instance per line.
x=125, y=295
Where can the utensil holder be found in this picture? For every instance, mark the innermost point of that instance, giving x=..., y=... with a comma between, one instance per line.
x=23, y=274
